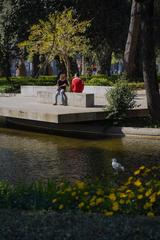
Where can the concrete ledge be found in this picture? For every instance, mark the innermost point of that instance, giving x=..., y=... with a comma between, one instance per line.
x=133, y=132
x=73, y=99
x=98, y=91
x=31, y=91
x=87, y=130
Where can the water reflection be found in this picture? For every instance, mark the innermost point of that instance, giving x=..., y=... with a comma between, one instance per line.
x=25, y=157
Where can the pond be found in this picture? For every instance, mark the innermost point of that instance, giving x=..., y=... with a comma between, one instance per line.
x=29, y=156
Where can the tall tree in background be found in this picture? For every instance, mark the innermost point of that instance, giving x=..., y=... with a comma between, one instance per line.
x=148, y=56
x=142, y=20
x=8, y=36
x=61, y=34
x=131, y=48
x=16, y=18
x=109, y=27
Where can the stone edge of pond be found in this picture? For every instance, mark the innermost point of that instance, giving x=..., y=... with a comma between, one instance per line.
x=133, y=132
x=83, y=130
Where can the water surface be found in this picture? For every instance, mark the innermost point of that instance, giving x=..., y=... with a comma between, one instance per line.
x=29, y=156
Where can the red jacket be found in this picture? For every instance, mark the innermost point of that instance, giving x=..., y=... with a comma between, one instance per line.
x=77, y=85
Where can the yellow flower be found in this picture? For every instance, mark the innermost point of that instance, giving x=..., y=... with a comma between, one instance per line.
x=115, y=206
x=137, y=183
x=148, y=193
x=142, y=167
x=100, y=192
x=137, y=172
x=54, y=200
x=131, y=195
x=152, y=198
x=140, y=196
x=81, y=205
x=112, y=196
x=128, y=191
x=108, y=214
x=61, y=206
x=150, y=214
x=73, y=194
x=158, y=193
x=122, y=195
x=99, y=201
x=93, y=198
x=81, y=185
x=147, y=170
x=147, y=205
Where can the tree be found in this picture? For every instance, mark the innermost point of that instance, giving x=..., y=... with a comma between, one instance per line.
x=109, y=27
x=145, y=24
x=148, y=58
x=8, y=37
x=61, y=34
x=131, y=48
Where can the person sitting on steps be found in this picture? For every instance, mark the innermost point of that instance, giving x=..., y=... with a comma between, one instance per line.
x=62, y=83
x=77, y=85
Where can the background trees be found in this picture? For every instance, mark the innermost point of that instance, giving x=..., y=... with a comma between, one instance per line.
x=60, y=35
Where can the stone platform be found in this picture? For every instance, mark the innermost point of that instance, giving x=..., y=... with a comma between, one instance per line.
x=30, y=109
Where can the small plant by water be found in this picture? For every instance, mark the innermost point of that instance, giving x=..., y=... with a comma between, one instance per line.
x=119, y=100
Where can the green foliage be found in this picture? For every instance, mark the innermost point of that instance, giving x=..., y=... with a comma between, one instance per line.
x=60, y=35
x=99, y=82
x=120, y=99
x=16, y=82
x=136, y=85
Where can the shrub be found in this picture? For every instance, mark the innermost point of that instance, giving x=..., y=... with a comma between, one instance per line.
x=119, y=100
x=136, y=85
x=99, y=82
x=16, y=82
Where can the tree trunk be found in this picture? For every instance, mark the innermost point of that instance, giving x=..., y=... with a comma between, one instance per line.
x=67, y=65
x=149, y=62
x=36, y=65
x=22, y=68
x=74, y=66
x=83, y=66
x=105, y=62
x=132, y=39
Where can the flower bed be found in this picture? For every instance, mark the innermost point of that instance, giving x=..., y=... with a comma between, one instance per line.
x=139, y=195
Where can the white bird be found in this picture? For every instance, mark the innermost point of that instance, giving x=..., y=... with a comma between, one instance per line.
x=117, y=166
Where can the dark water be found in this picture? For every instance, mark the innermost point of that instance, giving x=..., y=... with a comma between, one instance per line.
x=28, y=156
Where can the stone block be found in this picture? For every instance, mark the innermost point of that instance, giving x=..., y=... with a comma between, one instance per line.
x=73, y=99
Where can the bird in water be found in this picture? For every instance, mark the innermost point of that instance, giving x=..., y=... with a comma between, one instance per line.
x=116, y=165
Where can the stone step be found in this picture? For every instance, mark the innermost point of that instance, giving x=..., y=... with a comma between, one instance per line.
x=72, y=99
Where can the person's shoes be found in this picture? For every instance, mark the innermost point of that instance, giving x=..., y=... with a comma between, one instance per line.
x=54, y=103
